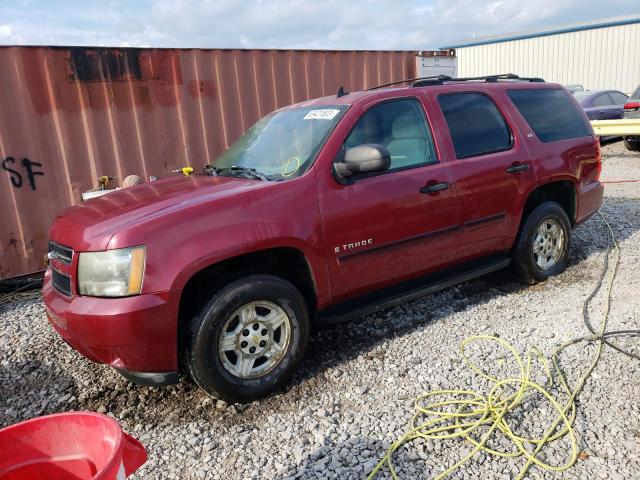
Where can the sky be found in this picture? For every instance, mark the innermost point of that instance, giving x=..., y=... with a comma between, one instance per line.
x=315, y=24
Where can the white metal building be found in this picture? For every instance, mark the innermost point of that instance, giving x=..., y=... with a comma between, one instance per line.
x=599, y=55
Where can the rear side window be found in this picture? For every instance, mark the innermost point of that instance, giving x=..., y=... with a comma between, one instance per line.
x=603, y=100
x=475, y=124
x=550, y=113
x=618, y=98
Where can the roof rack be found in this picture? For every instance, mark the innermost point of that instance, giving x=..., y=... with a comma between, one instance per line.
x=497, y=78
x=441, y=79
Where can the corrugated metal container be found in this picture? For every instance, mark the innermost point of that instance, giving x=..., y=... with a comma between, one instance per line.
x=598, y=55
x=69, y=115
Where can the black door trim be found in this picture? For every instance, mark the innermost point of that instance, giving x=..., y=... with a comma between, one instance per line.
x=390, y=245
x=484, y=220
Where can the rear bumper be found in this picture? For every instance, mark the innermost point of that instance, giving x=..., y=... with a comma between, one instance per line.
x=137, y=335
x=589, y=200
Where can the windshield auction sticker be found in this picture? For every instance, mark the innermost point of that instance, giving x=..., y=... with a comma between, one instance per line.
x=324, y=114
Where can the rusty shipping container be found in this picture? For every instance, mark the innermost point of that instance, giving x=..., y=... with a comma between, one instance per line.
x=69, y=115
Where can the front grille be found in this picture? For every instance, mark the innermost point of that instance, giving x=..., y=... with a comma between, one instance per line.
x=61, y=282
x=62, y=253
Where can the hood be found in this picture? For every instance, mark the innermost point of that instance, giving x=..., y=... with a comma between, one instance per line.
x=91, y=224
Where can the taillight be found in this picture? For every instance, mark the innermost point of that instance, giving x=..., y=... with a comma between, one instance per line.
x=632, y=106
x=598, y=158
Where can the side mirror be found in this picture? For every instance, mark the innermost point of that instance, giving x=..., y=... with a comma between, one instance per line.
x=367, y=158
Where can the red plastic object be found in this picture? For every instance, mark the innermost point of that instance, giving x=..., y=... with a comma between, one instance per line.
x=69, y=446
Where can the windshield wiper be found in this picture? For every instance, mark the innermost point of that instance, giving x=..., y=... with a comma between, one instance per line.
x=235, y=169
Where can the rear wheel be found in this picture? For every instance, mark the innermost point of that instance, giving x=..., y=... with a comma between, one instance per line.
x=542, y=248
x=248, y=339
x=632, y=144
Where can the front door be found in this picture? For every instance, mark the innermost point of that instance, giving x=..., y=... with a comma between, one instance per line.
x=395, y=224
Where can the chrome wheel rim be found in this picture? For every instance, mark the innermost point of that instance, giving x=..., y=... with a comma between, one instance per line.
x=548, y=243
x=254, y=339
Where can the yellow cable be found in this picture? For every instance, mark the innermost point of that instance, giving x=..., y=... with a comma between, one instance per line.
x=462, y=412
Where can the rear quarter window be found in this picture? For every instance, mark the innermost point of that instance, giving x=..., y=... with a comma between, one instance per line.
x=550, y=113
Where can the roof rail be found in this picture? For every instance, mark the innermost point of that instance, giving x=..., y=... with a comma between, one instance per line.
x=502, y=76
x=436, y=78
x=441, y=79
x=484, y=78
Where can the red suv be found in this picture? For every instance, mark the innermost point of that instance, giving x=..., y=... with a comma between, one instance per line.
x=324, y=210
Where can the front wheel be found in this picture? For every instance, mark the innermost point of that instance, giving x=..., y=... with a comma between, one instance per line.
x=248, y=339
x=542, y=248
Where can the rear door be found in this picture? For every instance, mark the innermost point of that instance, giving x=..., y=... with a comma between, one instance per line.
x=492, y=169
x=619, y=99
x=393, y=225
x=605, y=107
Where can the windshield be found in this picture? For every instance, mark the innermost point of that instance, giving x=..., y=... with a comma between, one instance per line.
x=636, y=94
x=282, y=145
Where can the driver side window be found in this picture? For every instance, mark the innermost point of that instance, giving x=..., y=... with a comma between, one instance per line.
x=401, y=127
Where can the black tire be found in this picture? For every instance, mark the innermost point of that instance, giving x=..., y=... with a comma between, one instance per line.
x=632, y=145
x=203, y=358
x=523, y=260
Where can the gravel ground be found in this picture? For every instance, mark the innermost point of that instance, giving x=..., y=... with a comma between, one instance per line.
x=353, y=394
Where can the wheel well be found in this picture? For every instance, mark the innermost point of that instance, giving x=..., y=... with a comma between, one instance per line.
x=563, y=192
x=287, y=263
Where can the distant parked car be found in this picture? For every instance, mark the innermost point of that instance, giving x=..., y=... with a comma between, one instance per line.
x=576, y=87
x=632, y=110
x=602, y=104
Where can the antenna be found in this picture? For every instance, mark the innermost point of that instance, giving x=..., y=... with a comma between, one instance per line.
x=341, y=92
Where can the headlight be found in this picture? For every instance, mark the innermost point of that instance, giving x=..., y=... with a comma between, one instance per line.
x=114, y=273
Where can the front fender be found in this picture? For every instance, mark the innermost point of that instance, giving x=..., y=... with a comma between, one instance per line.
x=317, y=266
x=182, y=242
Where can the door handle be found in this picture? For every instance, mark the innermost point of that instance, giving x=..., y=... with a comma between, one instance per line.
x=434, y=187
x=518, y=167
